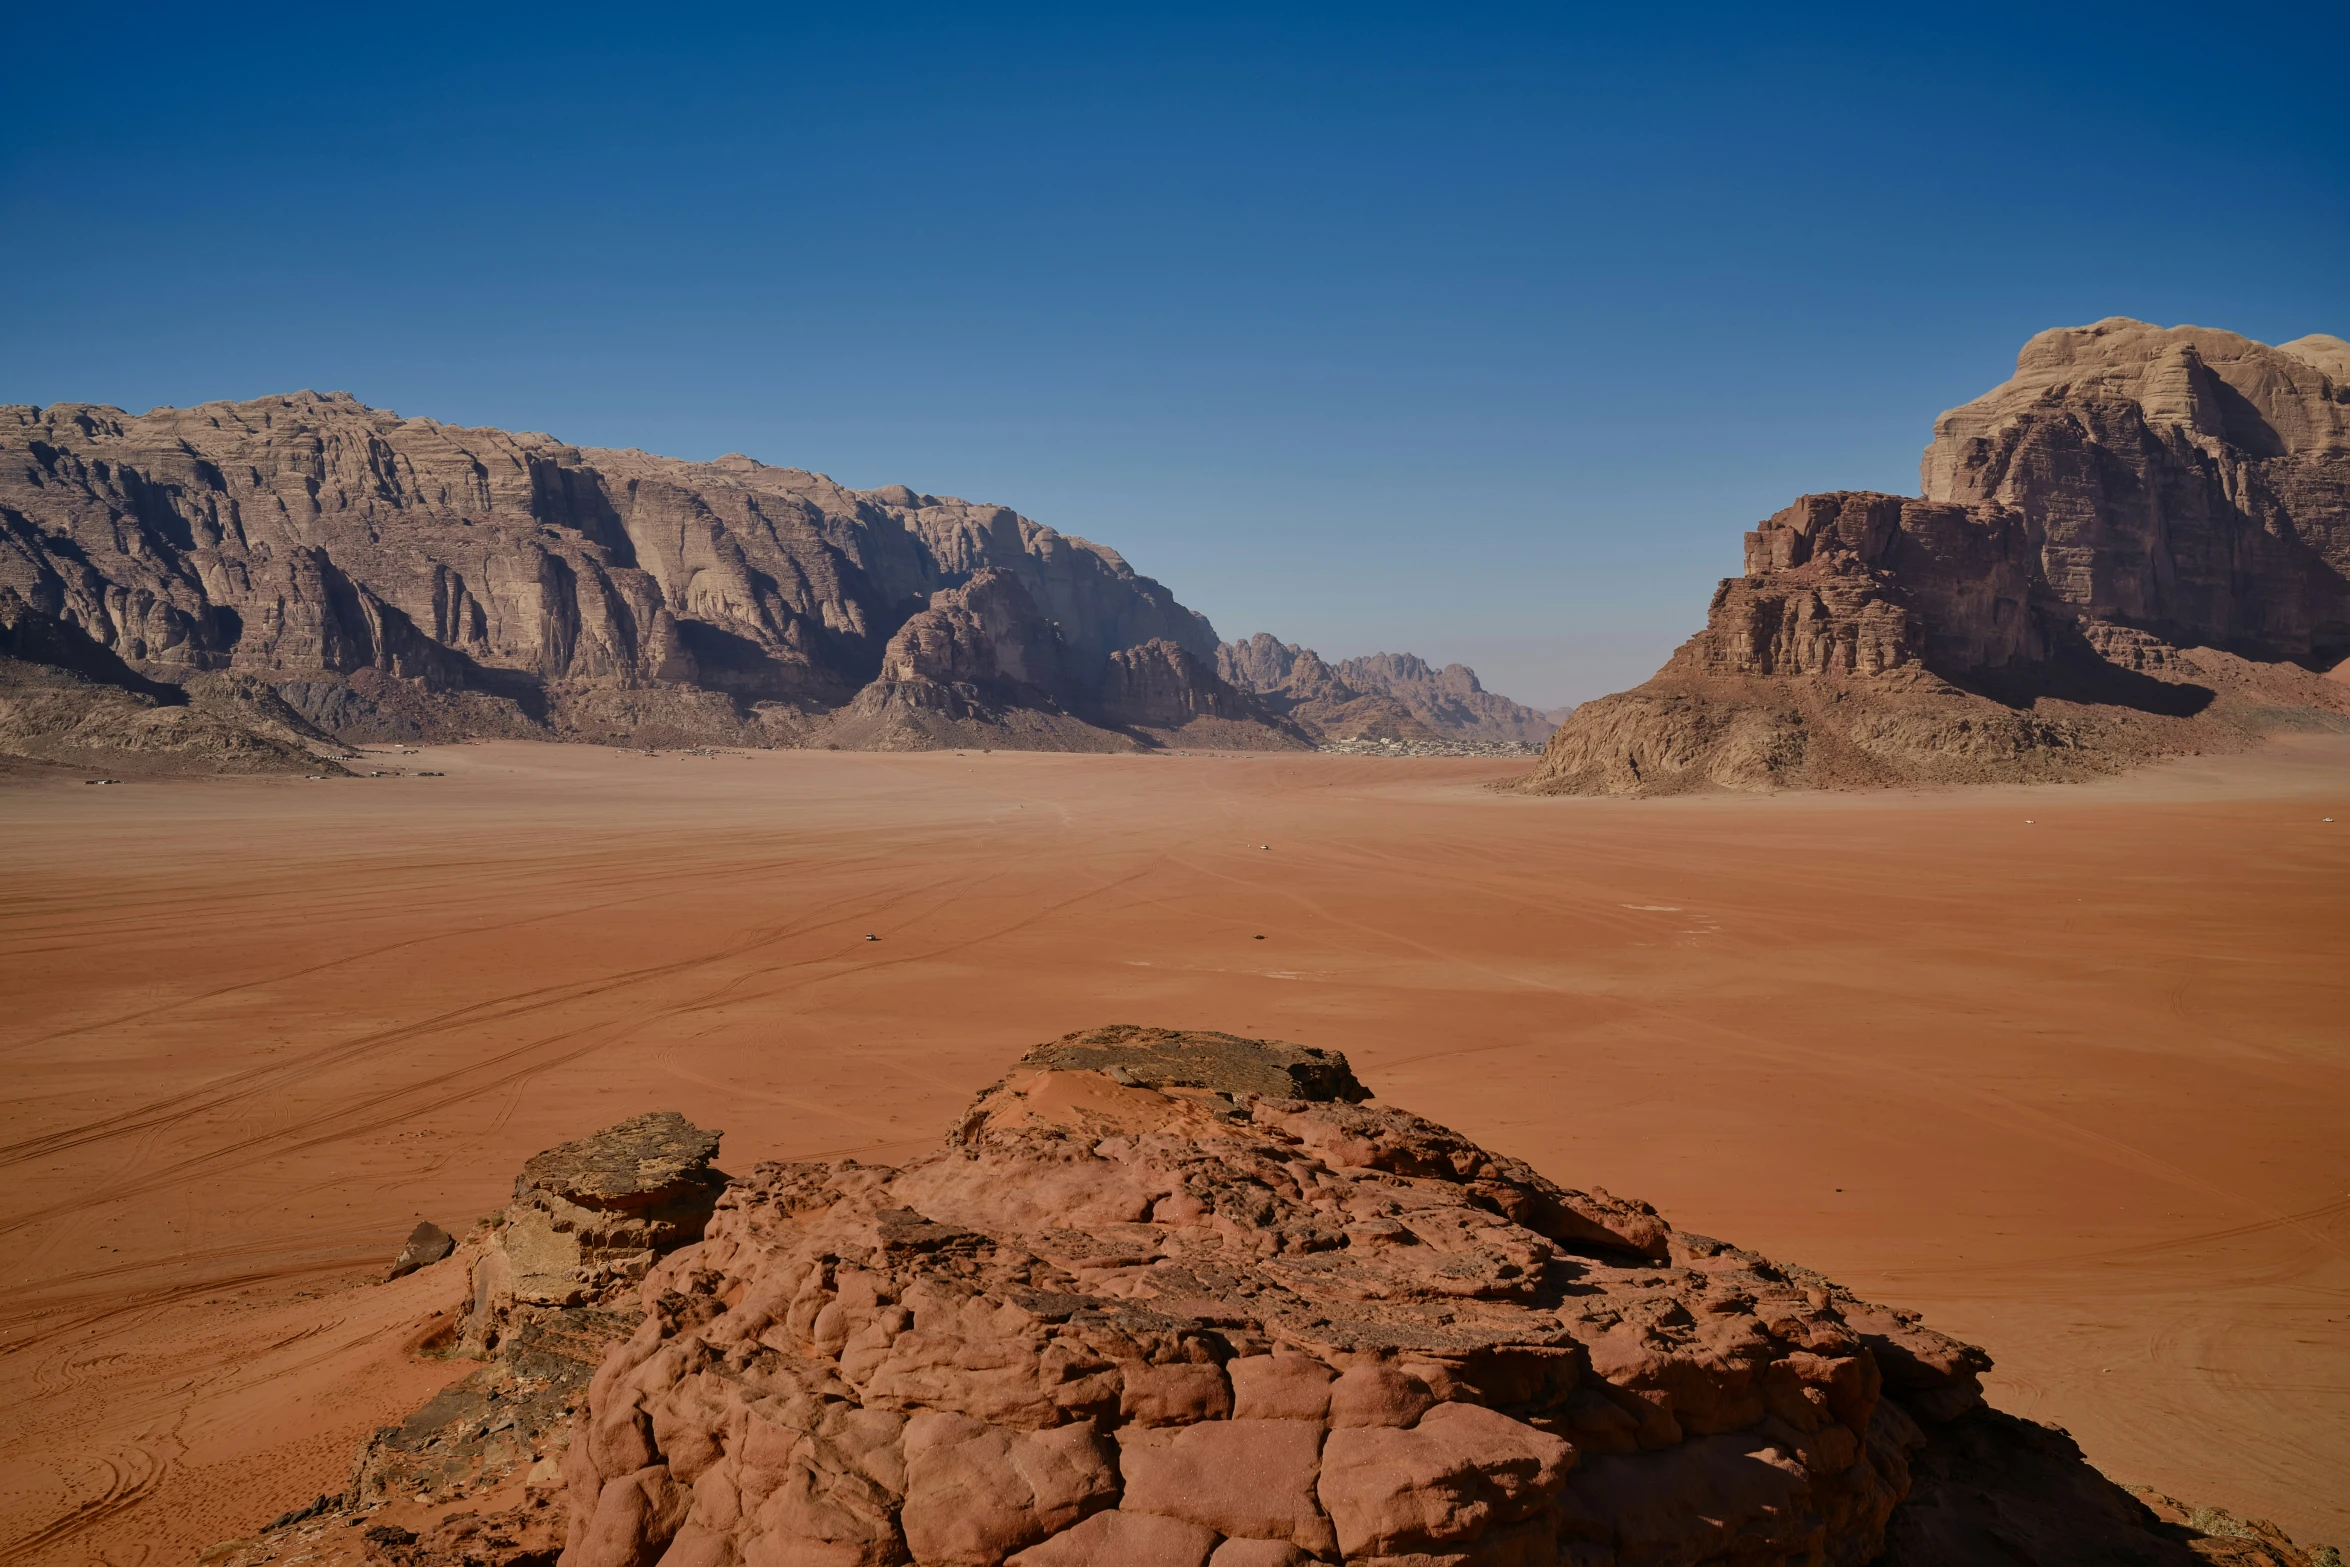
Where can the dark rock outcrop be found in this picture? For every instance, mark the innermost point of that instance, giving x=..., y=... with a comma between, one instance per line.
x=427, y=1244
x=402, y=579
x=1223, y=1064
x=1386, y=696
x=2138, y=546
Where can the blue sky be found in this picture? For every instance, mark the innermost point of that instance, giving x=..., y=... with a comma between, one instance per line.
x=1482, y=331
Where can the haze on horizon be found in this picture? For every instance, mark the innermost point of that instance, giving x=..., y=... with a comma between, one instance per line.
x=1481, y=334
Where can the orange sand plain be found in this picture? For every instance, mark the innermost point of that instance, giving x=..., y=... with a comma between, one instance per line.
x=2075, y=1086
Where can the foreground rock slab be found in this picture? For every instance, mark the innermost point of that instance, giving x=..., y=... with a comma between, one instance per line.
x=1189, y=1298
x=1138, y=1310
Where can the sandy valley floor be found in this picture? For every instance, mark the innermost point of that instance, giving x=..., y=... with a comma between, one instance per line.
x=2068, y=1069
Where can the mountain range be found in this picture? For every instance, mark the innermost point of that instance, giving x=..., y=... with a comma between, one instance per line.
x=236, y=585
x=2138, y=545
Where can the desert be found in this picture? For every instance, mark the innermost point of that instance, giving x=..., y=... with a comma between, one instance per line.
x=2057, y=1067
x=1212, y=786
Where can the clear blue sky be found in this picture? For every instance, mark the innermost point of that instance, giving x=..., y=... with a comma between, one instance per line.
x=1481, y=331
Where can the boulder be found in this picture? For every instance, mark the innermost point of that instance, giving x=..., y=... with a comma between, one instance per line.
x=428, y=1243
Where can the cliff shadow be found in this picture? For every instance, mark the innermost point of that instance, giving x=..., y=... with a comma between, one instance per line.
x=28, y=635
x=1990, y=1487
x=527, y=691
x=2075, y=671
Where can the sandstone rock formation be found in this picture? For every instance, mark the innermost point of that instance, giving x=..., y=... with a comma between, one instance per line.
x=1188, y=1298
x=551, y=1289
x=1166, y=1319
x=65, y=699
x=401, y=579
x=1387, y=696
x=2188, y=483
x=1165, y=690
x=983, y=667
x=589, y=1219
x=2138, y=545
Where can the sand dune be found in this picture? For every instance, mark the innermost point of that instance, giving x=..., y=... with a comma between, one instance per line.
x=2063, y=1067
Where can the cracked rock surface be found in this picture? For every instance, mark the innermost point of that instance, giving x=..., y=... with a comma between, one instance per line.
x=1138, y=1311
x=1129, y=1313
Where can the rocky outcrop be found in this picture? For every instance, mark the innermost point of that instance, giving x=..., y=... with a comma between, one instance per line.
x=2138, y=546
x=986, y=633
x=1138, y=1311
x=589, y=1219
x=472, y=1478
x=980, y=667
x=2185, y=482
x=1170, y=1297
x=68, y=701
x=399, y=578
x=1386, y=696
x=1166, y=691
x=1866, y=584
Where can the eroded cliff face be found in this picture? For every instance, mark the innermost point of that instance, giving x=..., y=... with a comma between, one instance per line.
x=2138, y=546
x=2187, y=482
x=1386, y=696
x=1164, y=689
x=330, y=547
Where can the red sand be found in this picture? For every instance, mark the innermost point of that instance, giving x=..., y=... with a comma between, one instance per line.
x=2074, y=1086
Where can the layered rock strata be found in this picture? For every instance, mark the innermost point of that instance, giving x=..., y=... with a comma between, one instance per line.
x=2185, y=482
x=2140, y=545
x=1386, y=696
x=588, y=1221
x=403, y=579
x=1165, y=690
x=66, y=700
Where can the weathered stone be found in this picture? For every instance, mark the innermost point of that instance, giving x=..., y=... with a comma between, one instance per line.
x=1238, y=1477
x=1386, y=696
x=1118, y=1323
x=1457, y=1471
x=589, y=1219
x=1221, y=1063
x=1296, y=1321
x=428, y=1243
x=644, y=1162
x=1283, y=1385
x=1126, y=1540
x=2139, y=545
x=977, y=1493
x=403, y=579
